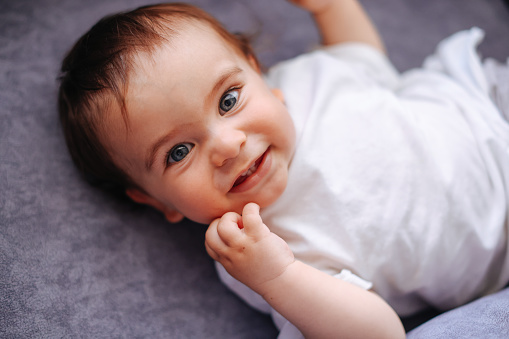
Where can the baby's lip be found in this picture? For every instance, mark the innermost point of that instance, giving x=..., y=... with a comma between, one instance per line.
x=242, y=180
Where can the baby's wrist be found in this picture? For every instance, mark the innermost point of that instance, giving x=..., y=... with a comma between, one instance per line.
x=281, y=281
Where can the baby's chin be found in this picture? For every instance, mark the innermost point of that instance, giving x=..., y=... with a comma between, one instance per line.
x=265, y=200
x=207, y=219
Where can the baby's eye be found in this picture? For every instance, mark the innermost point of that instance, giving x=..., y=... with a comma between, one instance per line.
x=178, y=153
x=228, y=101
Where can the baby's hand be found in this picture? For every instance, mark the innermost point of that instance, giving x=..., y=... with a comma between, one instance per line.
x=247, y=249
x=313, y=6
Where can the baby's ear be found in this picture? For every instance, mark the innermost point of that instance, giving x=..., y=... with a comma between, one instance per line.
x=173, y=216
x=140, y=197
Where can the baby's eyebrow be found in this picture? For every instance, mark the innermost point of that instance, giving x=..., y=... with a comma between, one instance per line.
x=227, y=74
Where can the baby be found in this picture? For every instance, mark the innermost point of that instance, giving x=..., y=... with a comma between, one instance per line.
x=329, y=164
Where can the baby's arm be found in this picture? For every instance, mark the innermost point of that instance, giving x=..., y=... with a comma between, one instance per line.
x=342, y=21
x=319, y=305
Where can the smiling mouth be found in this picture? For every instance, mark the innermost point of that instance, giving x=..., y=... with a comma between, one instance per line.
x=249, y=172
x=254, y=175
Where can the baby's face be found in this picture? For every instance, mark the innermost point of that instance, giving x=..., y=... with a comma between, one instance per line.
x=205, y=133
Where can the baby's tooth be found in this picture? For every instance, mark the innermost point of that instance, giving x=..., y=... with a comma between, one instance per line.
x=249, y=171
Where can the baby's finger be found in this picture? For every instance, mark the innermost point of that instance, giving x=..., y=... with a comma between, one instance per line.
x=211, y=252
x=253, y=223
x=229, y=228
x=212, y=239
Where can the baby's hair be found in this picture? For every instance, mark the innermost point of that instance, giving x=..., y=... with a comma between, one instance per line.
x=95, y=73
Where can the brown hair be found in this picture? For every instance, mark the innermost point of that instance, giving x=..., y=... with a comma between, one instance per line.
x=95, y=76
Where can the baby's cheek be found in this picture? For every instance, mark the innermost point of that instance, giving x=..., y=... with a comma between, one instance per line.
x=204, y=210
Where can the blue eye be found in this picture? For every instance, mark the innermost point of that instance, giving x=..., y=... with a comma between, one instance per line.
x=228, y=101
x=178, y=153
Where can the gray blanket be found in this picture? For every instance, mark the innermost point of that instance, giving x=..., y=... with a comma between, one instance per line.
x=74, y=262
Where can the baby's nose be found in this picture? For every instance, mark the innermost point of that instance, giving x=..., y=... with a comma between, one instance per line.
x=227, y=144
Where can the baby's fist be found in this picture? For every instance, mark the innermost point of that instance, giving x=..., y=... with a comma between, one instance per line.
x=247, y=249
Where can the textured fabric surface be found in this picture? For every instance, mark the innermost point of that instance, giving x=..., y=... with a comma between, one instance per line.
x=487, y=317
x=76, y=263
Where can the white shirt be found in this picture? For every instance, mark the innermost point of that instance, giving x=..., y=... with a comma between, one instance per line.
x=401, y=178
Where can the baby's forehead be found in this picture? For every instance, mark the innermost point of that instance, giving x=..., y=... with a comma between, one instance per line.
x=176, y=37
x=158, y=69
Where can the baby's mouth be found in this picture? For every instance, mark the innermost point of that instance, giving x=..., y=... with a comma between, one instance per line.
x=249, y=172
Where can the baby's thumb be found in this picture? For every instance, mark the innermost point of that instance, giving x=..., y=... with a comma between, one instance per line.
x=251, y=218
x=251, y=208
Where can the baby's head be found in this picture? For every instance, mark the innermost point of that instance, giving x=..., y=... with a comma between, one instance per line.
x=166, y=103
